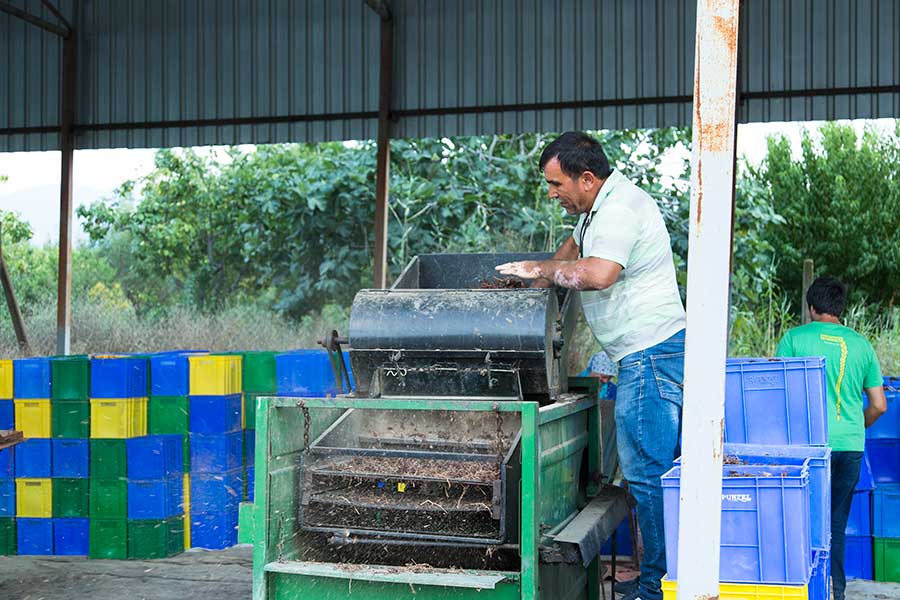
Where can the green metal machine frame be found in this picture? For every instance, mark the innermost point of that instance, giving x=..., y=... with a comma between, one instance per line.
x=555, y=440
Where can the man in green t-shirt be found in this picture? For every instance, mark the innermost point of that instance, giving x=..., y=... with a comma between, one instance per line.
x=850, y=367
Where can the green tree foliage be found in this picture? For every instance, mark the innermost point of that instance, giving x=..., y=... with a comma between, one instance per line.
x=291, y=225
x=841, y=206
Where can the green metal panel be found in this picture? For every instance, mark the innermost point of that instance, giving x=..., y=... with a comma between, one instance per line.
x=285, y=587
x=554, y=442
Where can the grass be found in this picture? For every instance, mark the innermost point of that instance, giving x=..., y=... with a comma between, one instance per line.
x=100, y=327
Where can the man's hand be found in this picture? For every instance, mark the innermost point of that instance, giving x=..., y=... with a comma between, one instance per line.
x=525, y=269
x=583, y=274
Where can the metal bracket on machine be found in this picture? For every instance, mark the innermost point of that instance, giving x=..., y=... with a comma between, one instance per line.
x=447, y=380
x=332, y=344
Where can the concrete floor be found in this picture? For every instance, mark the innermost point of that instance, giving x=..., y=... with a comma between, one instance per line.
x=194, y=575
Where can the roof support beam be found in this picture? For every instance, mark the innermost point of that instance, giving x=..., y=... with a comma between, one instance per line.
x=709, y=256
x=383, y=162
x=26, y=16
x=67, y=145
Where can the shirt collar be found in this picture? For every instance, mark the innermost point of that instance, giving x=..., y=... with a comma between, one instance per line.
x=614, y=179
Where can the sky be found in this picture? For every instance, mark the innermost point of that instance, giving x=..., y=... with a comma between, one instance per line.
x=32, y=187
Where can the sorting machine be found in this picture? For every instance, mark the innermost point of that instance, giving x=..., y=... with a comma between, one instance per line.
x=464, y=464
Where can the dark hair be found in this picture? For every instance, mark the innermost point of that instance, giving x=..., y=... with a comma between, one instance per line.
x=828, y=296
x=577, y=152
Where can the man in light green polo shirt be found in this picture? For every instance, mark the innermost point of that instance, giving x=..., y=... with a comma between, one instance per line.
x=620, y=258
x=851, y=367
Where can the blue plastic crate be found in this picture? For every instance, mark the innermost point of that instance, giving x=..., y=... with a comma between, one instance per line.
x=886, y=511
x=251, y=483
x=154, y=456
x=819, y=460
x=866, y=477
x=119, y=377
x=215, y=492
x=70, y=458
x=858, y=557
x=820, y=581
x=860, y=520
x=888, y=425
x=215, y=453
x=249, y=446
x=34, y=537
x=623, y=541
x=779, y=401
x=7, y=497
x=31, y=378
x=34, y=458
x=215, y=414
x=7, y=414
x=305, y=373
x=884, y=458
x=215, y=531
x=156, y=498
x=765, y=524
x=71, y=536
x=170, y=372
x=8, y=462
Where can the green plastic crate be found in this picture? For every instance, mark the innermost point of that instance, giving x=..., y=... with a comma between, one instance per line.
x=7, y=536
x=887, y=559
x=109, y=498
x=108, y=539
x=250, y=409
x=187, y=453
x=70, y=378
x=151, y=538
x=258, y=373
x=168, y=414
x=70, y=418
x=245, y=523
x=70, y=497
x=108, y=458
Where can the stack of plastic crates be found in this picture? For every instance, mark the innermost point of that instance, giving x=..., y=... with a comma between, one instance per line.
x=169, y=411
x=858, y=535
x=883, y=450
x=33, y=457
x=119, y=389
x=776, y=484
x=7, y=463
x=216, y=449
x=155, y=468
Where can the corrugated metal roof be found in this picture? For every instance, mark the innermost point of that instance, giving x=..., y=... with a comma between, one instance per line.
x=623, y=63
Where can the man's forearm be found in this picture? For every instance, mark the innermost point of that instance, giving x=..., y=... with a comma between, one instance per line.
x=871, y=414
x=574, y=274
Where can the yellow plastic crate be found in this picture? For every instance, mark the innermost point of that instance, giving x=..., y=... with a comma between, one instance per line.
x=187, y=530
x=6, y=379
x=34, y=497
x=33, y=418
x=746, y=591
x=118, y=418
x=213, y=375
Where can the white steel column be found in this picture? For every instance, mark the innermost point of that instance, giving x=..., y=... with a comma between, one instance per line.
x=709, y=254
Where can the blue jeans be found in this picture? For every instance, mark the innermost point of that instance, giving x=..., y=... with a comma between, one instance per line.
x=844, y=476
x=648, y=423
